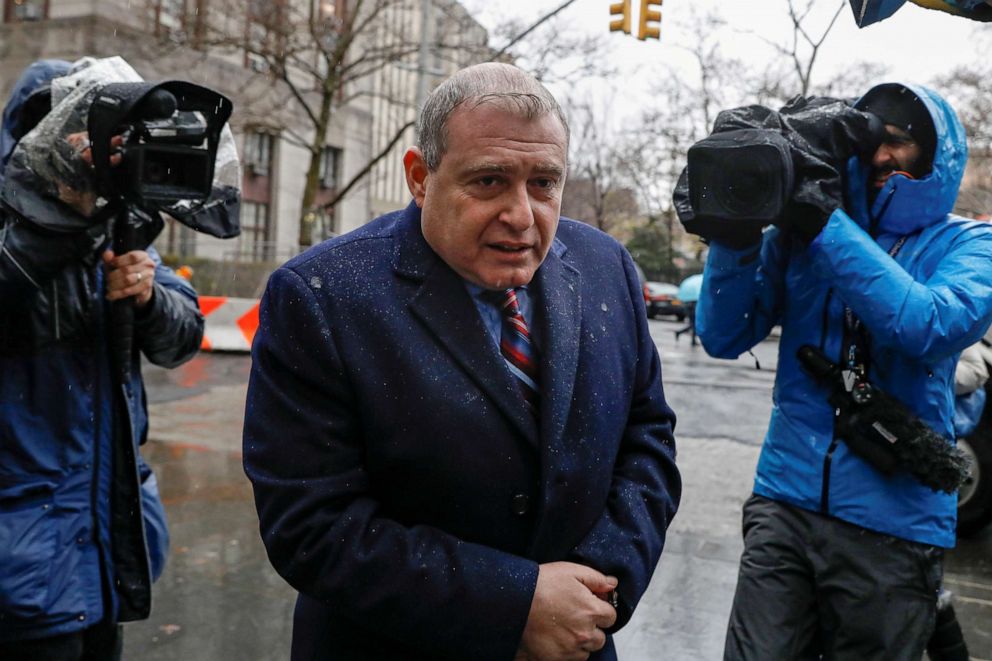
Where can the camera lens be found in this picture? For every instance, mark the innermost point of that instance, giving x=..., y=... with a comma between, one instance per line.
x=745, y=174
x=752, y=190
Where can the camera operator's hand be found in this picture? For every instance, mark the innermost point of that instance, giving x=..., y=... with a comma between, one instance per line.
x=130, y=274
x=75, y=188
x=81, y=143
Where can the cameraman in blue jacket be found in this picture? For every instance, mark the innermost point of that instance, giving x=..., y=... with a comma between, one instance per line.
x=839, y=558
x=82, y=528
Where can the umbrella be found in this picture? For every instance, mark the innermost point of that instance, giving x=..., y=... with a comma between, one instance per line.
x=689, y=289
x=867, y=12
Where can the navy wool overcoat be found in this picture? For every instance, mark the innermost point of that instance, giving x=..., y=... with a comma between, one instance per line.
x=403, y=488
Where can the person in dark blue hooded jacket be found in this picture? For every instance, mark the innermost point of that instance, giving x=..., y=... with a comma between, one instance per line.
x=840, y=558
x=82, y=528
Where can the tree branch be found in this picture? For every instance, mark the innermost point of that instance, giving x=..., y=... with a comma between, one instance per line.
x=551, y=14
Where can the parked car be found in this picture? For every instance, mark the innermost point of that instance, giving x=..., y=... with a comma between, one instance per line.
x=662, y=298
x=975, y=496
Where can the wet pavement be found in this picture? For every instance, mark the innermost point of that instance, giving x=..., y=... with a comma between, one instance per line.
x=219, y=599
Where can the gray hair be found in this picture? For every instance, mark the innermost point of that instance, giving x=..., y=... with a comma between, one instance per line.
x=492, y=82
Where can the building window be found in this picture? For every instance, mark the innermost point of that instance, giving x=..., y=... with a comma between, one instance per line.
x=170, y=18
x=258, y=153
x=16, y=11
x=255, y=231
x=172, y=11
x=182, y=21
x=327, y=9
x=266, y=12
x=330, y=160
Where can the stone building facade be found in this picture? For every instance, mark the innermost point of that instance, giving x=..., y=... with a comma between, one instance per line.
x=160, y=38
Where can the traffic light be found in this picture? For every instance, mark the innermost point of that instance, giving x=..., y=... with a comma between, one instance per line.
x=649, y=14
x=621, y=9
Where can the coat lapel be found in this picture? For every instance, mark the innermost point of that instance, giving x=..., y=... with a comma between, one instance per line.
x=445, y=307
x=558, y=289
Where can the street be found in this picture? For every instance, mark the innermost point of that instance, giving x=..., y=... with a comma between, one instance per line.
x=220, y=599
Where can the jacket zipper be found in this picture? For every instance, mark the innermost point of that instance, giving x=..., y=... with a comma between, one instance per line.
x=828, y=458
x=825, y=324
x=55, y=309
x=105, y=597
x=825, y=491
x=874, y=221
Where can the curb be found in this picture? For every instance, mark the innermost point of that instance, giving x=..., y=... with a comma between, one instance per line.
x=230, y=323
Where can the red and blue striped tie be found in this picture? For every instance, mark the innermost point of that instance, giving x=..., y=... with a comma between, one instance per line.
x=518, y=350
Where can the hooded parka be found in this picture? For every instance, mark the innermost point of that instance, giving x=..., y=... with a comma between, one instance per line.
x=82, y=528
x=920, y=309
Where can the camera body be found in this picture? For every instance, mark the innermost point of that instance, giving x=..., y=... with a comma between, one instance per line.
x=171, y=132
x=165, y=161
x=99, y=141
x=759, y=164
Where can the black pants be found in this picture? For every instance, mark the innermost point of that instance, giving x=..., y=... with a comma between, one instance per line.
x=101, y=642
x=814, y=587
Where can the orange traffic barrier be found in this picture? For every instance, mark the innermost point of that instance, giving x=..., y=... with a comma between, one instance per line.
x=230, y=323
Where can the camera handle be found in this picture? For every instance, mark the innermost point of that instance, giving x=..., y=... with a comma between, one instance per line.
x=126, y=238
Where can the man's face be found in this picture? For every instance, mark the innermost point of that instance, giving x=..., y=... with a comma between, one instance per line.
x=491, y=208
x=899, y=153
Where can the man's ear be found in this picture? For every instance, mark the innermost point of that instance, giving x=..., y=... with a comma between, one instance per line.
x=417, y=173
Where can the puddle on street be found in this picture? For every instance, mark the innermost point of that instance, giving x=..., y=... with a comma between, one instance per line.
x=218, y=598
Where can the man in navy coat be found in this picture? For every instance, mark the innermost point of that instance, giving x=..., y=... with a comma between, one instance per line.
x=456, y=429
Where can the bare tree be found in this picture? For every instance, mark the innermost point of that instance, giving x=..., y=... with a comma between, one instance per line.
x=552, y=48
x=685, y=105
x=597, y=190
x=803, y=46
x=969, y=89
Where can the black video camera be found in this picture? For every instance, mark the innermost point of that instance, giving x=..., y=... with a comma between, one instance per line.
x=758, y=164
x=171, y=132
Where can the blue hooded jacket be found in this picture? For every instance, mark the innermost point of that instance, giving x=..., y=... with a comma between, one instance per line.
x=69, y=434
x=920, y=309
x=35, y=76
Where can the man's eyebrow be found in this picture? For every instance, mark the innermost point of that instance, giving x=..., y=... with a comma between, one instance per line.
x=476, y=168
x=896, y=134
x=546, y=169
x=550, y=169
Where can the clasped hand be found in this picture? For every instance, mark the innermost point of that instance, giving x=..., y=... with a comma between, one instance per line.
x=568, y=614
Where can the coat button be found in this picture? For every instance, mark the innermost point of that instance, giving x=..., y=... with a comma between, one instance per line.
x=520, y=504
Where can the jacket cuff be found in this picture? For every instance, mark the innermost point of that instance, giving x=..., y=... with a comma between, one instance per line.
x=144, y=317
